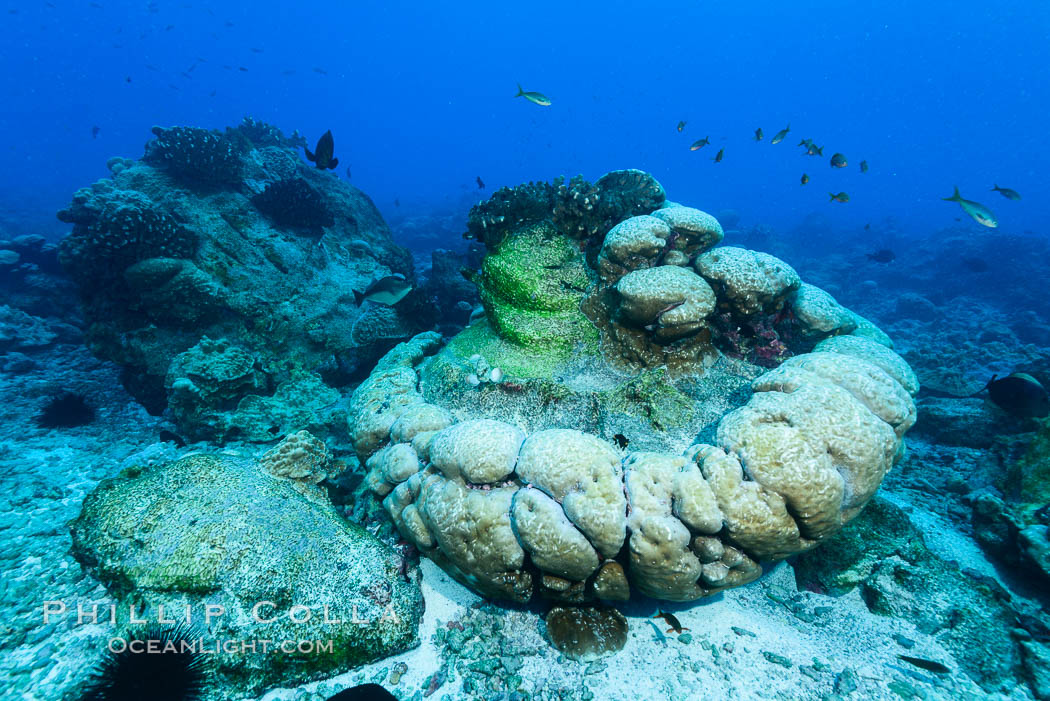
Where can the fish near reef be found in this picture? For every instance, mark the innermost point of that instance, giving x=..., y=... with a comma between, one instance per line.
x=758, y=134
x=840, y=197
x=718, y=156
x=928, y=665
x=813, y=150
x=838, y=161
x=322, y=155
x=700, y=143
x=1006, y=192
x=1019, y=394
x=536, y=98
x=387, y=290
x=481, y=183
x=805, y=179
x=671, y=620
x=883, y=255
x=863, y=166
x=977, y=211
x=681, y=126
x=780, y=135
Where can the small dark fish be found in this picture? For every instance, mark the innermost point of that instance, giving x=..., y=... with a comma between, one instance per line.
x=242, y=69
x=700, y=143
x=364, y=692
x=883, y=255
x=348, y=172
x=397, y=202
x=928, y=665
x=94, y=131
x=481, y=183
x=805, y=142
x=127, y=79
x=321, y=156
x=256, y=50
x=388, y=290
x=974, y=264
x=169, y=27
x=167, y=436
x=719, y=155
x=838, y=161
x=1035, y=627
x=867, y=227
x=1019, y=394
x=840, y=197
x=779, y=136
x=621, y=440
x=574, y=288
x=758, y=134
x=1006, y=192
x=805, y=179
x=814, y=150
x=681, y=126
x=863, y=166
x=670, y=620
x=321, y=71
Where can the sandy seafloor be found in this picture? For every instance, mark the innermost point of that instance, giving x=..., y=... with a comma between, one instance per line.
x=764, y=640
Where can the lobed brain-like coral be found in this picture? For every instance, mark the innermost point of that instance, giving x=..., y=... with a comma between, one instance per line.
x=622, y=446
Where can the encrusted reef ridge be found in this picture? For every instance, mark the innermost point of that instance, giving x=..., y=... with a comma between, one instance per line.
x=639, y=409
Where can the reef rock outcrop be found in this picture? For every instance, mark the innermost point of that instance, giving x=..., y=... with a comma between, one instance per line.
x=270, y=559
x=230, y=236
x=636, y=411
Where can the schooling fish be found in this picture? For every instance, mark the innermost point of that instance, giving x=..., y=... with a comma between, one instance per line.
x=978, y=212
x=758, y=134
x=536, y=98
x=364, y=692
x=1006, y=192
x=322, y=154
x=700, y=143
x=719, y=155
x=813, y=150
x=681, y=126
x=863, y=166
x=840, y=197
x=388, y=290
x=805, y=178
x=838, y=161
x=669, y=619
x=481, y=183
x=94, y=131
x=1019, y=394
x=779, y=136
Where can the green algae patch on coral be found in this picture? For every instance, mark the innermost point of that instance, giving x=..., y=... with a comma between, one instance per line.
x=516, y=360
x=219, y=531
x=532, y=285
x=1029, y=477
x=653, y=397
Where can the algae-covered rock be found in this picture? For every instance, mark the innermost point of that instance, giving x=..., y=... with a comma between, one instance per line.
x=279, y=561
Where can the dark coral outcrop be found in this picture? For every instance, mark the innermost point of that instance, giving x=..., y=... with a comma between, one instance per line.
x=260, y=252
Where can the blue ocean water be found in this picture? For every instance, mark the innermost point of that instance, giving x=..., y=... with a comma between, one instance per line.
x=188, y=330
x=420, y=97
